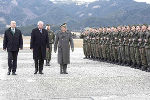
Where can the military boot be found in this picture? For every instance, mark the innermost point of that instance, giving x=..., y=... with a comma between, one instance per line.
x=61, y=69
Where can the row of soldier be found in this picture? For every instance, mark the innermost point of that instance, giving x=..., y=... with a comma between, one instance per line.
x=122, y=45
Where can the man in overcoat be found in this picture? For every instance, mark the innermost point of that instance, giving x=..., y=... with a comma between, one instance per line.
x=12, y=43
x=63, y=41
x=38, y=44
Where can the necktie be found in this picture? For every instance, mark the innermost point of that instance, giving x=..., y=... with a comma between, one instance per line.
x=41, y=30
x=13, y=31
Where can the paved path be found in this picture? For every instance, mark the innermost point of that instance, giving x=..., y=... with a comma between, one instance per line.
x=87, y=80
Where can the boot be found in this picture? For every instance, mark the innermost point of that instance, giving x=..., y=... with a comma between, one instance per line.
x=48, y=63
x=148, y=69
x=138, y=66
x=65, y=69
x=61, y=69
x=144, y=68
x=133, y=65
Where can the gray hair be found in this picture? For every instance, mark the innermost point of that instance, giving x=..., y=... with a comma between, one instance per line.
x=40, y=22
x=12, y=22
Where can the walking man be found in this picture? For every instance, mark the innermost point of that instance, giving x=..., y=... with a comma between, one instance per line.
x=51, y=37
x=63, y=41
x=12, y=43
x=39, y=44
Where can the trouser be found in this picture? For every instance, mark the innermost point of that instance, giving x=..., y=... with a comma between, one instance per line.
x=49, y=53
x=12, y=61
x=39, y=62
x=39, y=65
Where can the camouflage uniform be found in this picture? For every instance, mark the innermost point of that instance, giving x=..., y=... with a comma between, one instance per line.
x=147, y=49
x=85, y=46
x=137, y=51
x=115, y=46
x=142, y=50
x=51, y=41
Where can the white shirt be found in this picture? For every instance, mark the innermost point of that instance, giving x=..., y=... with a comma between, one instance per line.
x=13, y=29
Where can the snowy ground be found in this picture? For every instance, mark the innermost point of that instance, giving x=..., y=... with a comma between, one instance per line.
x=87, y=80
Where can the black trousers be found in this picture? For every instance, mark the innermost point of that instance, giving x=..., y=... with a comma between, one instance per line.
x=12, y=61
x=39, y=62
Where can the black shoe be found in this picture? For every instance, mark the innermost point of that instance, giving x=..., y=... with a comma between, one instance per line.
x=85, y=58
x=143, y=68
x=48, y=64
x=148, y=70
x=14, y=74
x=35, y=72
x=8, y=73
x=41, y=73
x=65, y=73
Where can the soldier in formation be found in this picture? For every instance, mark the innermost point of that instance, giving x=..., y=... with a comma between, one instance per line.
x=122, y=45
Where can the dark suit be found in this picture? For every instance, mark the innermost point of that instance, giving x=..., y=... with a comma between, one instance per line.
x=12, y=43
x=39, y=43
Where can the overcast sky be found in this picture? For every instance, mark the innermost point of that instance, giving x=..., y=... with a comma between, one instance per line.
x=148, y=1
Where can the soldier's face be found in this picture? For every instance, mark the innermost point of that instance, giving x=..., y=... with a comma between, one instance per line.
x=143, y=27
x=138, y=28
x=133, y=28
x=48, y=27
x=13, y=24
x=63, y=29
x=148, y=28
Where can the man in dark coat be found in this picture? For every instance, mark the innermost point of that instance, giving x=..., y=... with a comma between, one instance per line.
x=39, y=44
x=63, y=40
x=12, y=42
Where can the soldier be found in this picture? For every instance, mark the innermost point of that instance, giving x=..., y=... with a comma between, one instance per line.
x=115, y=49
x=147, y=47
x=127, y=48
x=108, y=44
x=101, y=44
x=97, y=44
x=51, y=41
x=89, y=50
x=142, y=47
x=63, y=41
x=123, y=31
x=85, y=44
x=119, y=45
x=132, y=49
x=136, y=47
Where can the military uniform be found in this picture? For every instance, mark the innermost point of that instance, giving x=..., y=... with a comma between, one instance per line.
x=51, y=41
x=85, y=46
x=142, y=50
x=147, y=49
x=137, y=51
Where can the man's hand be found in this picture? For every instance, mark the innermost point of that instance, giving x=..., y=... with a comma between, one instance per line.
x=72, y=49
x=32, y=49
x=4, y=49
